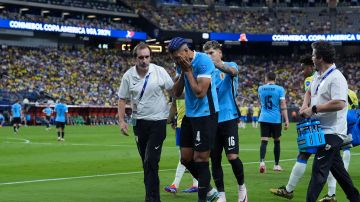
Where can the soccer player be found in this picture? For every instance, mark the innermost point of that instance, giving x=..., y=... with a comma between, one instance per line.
x=61, y=109
x=2, y=120
x=273, y=105
x=196, y=73
x=244, y=110
x=178, y=107
x=227, y=137
x=16, y=116
x=48, y=111
x=303, y=156
x=144, y=84
x=326, y=100
x=255, y=116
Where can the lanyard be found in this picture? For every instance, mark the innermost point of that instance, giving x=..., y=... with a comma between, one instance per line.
x=322, y=79
x=144, y=86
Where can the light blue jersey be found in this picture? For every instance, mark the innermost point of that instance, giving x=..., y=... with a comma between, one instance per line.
x=270, y=97
x=48, y=111
x=202, y=66
x=225, y=84
x=16, y=110
x=61, y=110
x=1, y=118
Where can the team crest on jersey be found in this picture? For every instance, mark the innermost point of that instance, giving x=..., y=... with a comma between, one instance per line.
x=307, y=83
x=222, y=76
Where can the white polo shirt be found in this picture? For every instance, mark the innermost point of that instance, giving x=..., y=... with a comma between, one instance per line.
x=333, y=87
x=153, y=105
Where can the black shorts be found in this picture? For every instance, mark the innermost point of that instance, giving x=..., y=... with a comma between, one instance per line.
x=16, y=120
x=270, y=129
x=227, y=136
x=48, y=118
x=199, y=132
x=60, y=124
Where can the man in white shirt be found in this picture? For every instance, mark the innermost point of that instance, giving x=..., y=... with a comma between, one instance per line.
x=144, y=84
x=328, y=103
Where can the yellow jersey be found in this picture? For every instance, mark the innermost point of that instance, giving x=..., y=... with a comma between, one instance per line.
x=352, y=100
x=256, y=111
x=180, y=108
x=244, y=111
x=307, y=82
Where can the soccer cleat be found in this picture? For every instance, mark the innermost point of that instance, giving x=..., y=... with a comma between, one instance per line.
x=277, y=168
x=191, y=189
x=222, y=197
x=59, y=138
x=262, y=167
x=171, y=189
x=282, y=192
x=214, y=196
x=62, y=139
x=242, y=191
x=328, y=198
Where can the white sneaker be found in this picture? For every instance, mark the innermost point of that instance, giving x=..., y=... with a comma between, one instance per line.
x=277, y=168
x=262, y=167
x=222, y=197
x=242, y=193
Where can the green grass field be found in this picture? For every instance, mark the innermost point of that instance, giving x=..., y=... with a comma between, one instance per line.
x=96, y=163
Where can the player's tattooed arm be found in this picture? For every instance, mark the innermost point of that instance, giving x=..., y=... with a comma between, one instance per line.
x=226, y=68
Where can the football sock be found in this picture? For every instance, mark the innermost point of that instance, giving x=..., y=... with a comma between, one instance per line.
x=296, y=174
x=238, y=170
x=263, y=150
x=277, y=151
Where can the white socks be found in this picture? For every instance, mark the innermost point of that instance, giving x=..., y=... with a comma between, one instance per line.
x=179, y=173
x=296, y=174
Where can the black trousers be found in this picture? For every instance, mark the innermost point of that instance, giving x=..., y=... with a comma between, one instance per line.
x=328, y=159
x=149, y=138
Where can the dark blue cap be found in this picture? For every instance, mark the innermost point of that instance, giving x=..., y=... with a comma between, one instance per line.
x=175, y=44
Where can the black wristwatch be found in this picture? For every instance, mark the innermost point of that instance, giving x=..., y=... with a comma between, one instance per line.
x=314, y=109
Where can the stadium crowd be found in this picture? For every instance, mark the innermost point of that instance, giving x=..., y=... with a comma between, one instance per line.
x=124, y=24
x=92, y=76
x=219, y=19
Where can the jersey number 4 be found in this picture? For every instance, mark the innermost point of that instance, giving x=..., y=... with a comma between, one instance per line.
x=268, y=102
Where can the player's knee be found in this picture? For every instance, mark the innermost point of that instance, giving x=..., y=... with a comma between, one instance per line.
x=304, y=156
x=264, y=139
x=201, y=156
x=232, y=156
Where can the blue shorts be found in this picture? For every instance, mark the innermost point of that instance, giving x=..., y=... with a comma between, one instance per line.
x=243, y=118
x=255, y=118
x=177, y=136
x=311, y=151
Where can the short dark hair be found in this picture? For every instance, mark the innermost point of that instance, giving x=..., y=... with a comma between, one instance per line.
x=324, y=50
x=212, y=44
x=175, y=44
x=307, y=60
x=271, y=76
x=140, y=46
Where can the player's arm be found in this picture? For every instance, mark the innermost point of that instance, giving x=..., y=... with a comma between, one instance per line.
x=306, y=102
x=199, y=86
x=284, y=113
x=179, y=84
x=227, y=69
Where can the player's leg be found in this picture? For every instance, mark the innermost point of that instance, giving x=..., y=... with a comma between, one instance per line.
x=180, y=169
x=297, y=172
x=265, y=133
x=58, y=128
x=14, y=125
x=62, y=131
x=276, y=132
x=231, y=147
x=204, y=131
x=216, y=158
